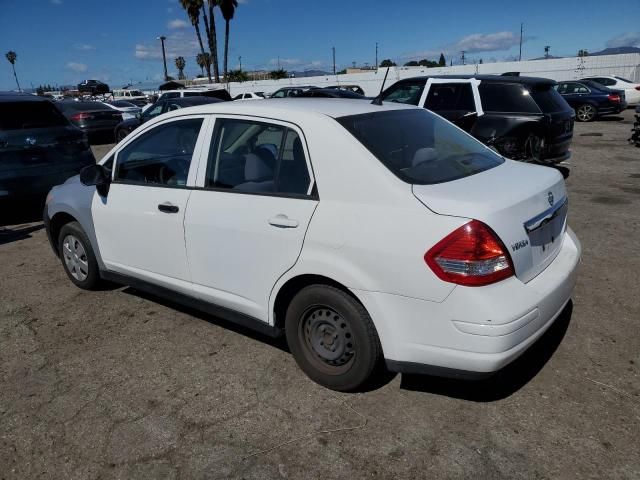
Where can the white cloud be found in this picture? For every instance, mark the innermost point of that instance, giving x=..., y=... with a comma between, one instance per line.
x=77, y=67
x=179, y=43
x=85, y=47
x=177, y=24
x=56, y=2
x=474, y=43
x=629, y=39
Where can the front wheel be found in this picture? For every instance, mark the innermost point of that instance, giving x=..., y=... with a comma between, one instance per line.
x=78, y=260
x=332, y=338
x=586, y=113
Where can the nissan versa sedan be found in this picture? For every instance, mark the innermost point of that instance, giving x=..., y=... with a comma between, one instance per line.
x=371, y=235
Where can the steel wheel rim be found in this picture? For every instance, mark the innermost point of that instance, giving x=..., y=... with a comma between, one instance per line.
x=327, y=339
x=585, y=113
x=75, y=258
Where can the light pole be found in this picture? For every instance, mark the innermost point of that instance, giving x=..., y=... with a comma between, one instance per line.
x=333, y=49
x=240, y=61
x=162, y=38
x=376, y=55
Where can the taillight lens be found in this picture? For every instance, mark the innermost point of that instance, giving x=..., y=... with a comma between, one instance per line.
x=638, y=87
x=614, y=97
x=81, y=116
x=472, y=255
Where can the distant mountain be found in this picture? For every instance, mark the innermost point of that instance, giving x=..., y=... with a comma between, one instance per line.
x=550, y=57
x=615, y=51
x=310, y=73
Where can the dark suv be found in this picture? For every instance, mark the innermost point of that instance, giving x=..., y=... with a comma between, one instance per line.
x=523, y=118
x=38, y=147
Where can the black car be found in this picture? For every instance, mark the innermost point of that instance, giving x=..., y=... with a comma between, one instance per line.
x=591, y=99
x=523, y=118
x=93, y=87
x=330, y=93
x=39, y=148
x=161, y=106
x=90, y=117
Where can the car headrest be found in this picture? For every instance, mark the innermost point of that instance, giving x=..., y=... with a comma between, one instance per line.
x=259, y=166
x=426, y=154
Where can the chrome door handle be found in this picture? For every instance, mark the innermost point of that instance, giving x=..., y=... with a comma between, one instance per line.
x=282, y=221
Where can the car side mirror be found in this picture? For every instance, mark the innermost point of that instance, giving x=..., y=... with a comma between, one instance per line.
x=98, y=176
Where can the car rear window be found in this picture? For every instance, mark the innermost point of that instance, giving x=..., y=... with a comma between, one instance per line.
x=81, y=106
x=548, y=99
x=506, y=97
x=23, y=115
x=122, y=104
x=420, y=147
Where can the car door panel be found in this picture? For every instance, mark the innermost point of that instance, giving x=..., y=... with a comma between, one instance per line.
x=140, y=225
x=239, y=243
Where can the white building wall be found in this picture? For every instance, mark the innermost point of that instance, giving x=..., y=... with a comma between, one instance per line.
x=572, y=68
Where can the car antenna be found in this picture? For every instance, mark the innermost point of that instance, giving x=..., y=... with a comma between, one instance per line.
x=378, y=99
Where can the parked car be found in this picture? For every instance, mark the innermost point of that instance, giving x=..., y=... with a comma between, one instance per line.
x=291, y=91
x=39, y=148
x=127, y=109
x=90, y=117
x=93, y=87
x=631, y=89
x=131, y=95
x=446, y=258
x=125, y=127
x=249, y=96
x=351, y=88
x=331, y=93
x=591, y=99
x=523, y=118
x=219, y=93
x=635, y=130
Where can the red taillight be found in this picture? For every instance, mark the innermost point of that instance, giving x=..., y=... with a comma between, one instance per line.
x=614, y=98
x=472, y=255
x=81, y=116
x=638, y=87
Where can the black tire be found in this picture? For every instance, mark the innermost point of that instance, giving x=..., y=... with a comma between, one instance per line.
x=321, y=318
x=586, y=113
x=89, y=280
x=121, y=135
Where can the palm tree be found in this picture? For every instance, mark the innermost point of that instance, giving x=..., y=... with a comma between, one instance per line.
x=228, y=9
x=203, y=59
x=180, y=64
x=210, y=26
x=12, y=56
x=193, y=8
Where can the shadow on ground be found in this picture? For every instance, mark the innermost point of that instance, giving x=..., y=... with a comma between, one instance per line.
x=506, y=381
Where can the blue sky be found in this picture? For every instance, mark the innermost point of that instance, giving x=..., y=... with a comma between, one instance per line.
x=65, y=41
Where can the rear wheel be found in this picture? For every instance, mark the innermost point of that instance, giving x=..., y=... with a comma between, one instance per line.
x=332, y=338
x=77, y=257
x=586, y=113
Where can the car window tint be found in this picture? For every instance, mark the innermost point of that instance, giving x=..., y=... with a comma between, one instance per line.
x=257, y=157
x=24, y=115
x=506, y=97
x=161, y=156
x=450, y=96
x=420, y=147
x=548, y=99
x=409, y=93
x=279, y=94
x=154, y=110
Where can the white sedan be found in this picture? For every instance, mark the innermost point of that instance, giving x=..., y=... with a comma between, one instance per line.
x=631, y=89
x=128, y=110
x=249, y=96
x=370, y=235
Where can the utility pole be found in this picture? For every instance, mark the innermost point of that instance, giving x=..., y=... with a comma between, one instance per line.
x=278, y=62
x=240, y=61
x=546, y=51
x=462, y=56
x=521, y=29
x=376, y=55
x=333, y=50
x=162, y=38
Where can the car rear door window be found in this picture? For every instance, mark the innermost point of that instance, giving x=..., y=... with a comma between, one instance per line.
x=249, y=156
x=506, y=97
x=161, y=156
x=406, y=92
x=548, y=99
x=450, y=96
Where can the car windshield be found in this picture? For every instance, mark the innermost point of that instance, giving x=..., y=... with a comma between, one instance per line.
x=23, y=115
x=122, y=104
x=548, y=98
x=420, y=147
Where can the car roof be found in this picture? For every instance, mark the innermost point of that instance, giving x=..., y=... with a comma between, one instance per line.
x=21, y=97
x=297, y=108
x=194, y=100
x=488, y=78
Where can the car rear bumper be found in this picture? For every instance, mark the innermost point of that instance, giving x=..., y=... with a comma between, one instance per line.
x=474, y=331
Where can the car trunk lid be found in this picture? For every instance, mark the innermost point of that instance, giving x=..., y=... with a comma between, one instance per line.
x=524, y=204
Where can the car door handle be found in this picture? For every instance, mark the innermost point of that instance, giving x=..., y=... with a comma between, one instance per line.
x=282, y=221
x=167, y=207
